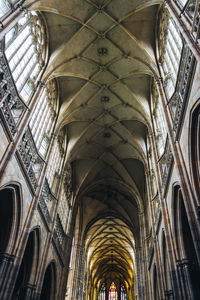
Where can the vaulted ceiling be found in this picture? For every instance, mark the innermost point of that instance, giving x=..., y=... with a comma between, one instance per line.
x=102, y=55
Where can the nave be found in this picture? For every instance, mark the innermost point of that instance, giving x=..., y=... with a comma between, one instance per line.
x=99, y=151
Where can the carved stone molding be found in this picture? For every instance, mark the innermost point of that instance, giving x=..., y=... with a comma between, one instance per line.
x=180, y=97
x=59, y=237
x=45, y=200
x=11, y=106
x=30, y=158
x=165, y=163
x=68, y=181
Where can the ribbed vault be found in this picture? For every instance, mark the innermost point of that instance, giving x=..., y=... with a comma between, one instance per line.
x=102, y=55
x=110, y=249
x=110, y=223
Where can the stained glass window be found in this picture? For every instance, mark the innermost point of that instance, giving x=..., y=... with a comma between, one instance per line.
x=123, y=293
x=112, y=292
x=102, y=292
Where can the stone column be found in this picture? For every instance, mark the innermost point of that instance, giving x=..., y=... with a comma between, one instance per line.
x=28, y=292
x=187, y=191
x=187, y=272
x=6, y=264
x=95, y=293
x=181, y=279
x=169, y=295
x=184, y=268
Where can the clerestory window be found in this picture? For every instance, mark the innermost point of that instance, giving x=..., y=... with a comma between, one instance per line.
x=55, y=161
x=25, y=53
x=44, y=116
x=170, y=47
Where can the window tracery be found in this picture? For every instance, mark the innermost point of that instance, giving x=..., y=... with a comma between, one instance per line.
x=63, y=208
x=68, y=182
x=170, y=47
x=25, y=52
x=188, y=6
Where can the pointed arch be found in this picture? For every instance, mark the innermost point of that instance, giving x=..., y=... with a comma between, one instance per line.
x=194, y=147
x=10, y=216
x=27, y=270
x=48, y=291
x=187, y=256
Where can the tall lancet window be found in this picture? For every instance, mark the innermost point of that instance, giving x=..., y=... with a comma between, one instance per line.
x=102, y=292
x=113, y=292
x=25, y=52
x=44, y=116
x=170, y=48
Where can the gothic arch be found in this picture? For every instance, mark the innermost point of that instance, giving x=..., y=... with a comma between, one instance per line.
x=48, y=291
x=181, y=224
x=36, y=253
x=27, y=270
x=10, y=216
x=194, y=147
x=187, y=257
